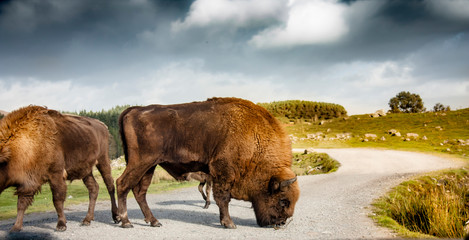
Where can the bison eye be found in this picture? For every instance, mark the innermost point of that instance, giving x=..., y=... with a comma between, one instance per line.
x=284, y=203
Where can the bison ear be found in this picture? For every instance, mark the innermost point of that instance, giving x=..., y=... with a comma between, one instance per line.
x=276, y=185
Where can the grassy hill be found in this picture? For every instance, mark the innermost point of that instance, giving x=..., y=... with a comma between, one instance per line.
x=446, y=132
x=435, y=204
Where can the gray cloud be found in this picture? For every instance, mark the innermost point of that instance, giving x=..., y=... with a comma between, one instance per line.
x=374, y=49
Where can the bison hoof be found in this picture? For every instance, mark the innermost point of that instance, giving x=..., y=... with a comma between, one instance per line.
x=229, y=225
x=116, y=219
x=127, y=225
x=156, y=224
x=61, y=228
x=206, y=205
x=15, y=229
x=85, y=223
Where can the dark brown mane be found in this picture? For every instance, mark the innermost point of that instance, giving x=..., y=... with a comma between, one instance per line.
x=13, y=122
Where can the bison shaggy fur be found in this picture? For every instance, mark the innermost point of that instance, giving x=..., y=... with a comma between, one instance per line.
x=239, y=144
x=39, y=145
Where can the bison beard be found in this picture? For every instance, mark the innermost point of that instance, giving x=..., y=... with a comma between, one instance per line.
x=38, y=145
x=239, y=144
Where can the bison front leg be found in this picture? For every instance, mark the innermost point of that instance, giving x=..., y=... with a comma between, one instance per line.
x=59, y=191
x=222, y=197
x=23, y=202
x=93, y=189
x=140, y=193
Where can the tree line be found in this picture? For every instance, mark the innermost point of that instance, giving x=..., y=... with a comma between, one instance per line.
x=299, y=109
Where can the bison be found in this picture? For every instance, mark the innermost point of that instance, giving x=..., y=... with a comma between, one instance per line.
x=203, y=178
x=239, y=144
x=39, y=145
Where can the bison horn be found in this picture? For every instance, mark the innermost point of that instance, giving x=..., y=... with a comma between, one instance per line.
x=288, y=182
x=275, y=185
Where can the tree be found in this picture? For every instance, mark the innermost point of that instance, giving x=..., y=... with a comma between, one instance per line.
x=441, y=108
x=406, y=102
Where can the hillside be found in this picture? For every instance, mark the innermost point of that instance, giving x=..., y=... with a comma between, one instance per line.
x=441, y=132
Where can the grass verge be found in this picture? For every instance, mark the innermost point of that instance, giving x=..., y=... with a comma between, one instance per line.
x=435, y=205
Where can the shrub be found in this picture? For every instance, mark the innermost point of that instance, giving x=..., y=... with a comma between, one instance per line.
x=313, y=163
x=441, y=108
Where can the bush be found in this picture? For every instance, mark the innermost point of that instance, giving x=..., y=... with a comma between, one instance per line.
x=298, y=109
x=441, y=108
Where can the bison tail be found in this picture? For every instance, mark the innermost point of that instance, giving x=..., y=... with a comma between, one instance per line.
x=122, y=133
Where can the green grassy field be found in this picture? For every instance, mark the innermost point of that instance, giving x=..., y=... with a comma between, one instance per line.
x=444, y=133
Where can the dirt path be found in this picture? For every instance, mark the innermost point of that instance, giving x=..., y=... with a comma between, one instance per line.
x=331, y=206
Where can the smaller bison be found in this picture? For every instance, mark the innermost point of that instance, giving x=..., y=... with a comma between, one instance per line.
x=203, y=178
x=39, y=145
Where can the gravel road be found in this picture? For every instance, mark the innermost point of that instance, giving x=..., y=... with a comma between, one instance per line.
x=332, y=206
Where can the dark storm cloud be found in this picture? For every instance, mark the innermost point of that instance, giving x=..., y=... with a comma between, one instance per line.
x=387, y=31
x=63, y=34
x=52, y=38
x=162, y=44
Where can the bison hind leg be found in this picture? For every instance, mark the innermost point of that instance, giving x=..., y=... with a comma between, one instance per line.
x=140, y=193
x=208, y=189
x=93, y=189
x=105, y=169
x=59, y=190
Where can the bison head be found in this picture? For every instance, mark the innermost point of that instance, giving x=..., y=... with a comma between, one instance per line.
x=276, y=204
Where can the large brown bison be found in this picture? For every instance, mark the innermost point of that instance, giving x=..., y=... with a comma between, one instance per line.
x=241, y=145
x=39, y=145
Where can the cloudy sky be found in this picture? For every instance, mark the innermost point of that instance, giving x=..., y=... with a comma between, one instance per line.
x=96, y=54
